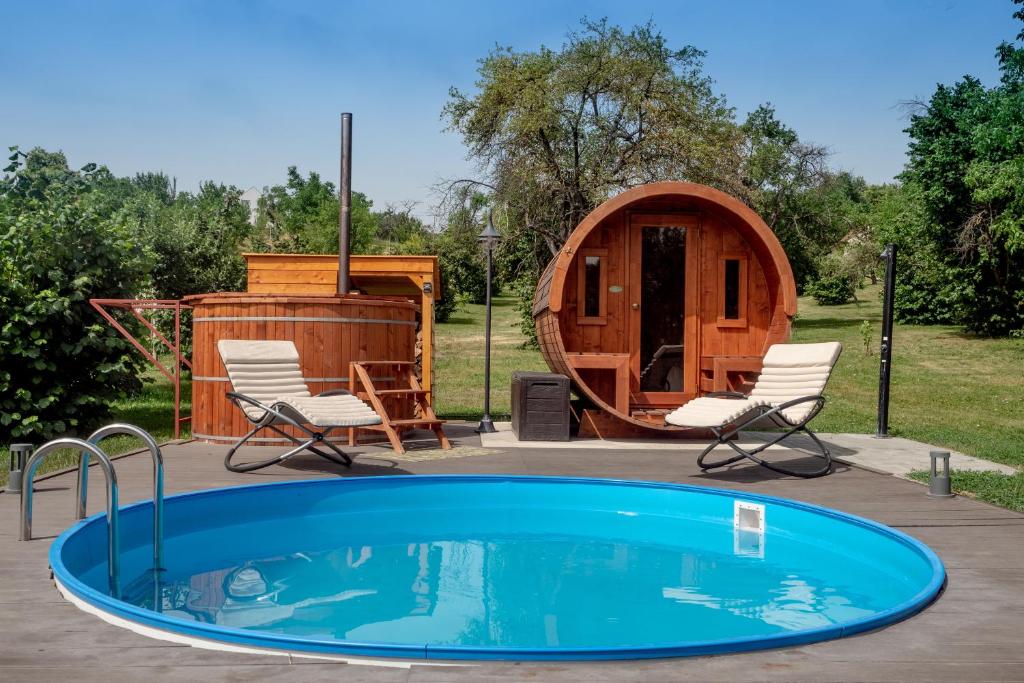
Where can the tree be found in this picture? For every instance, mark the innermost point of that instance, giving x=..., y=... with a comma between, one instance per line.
x=556, y=133
x=966, y=157
x=302, y=216
x=787, y=181
x=460, y=256
x=398, y=224
x=196, y=240
x=60, y=365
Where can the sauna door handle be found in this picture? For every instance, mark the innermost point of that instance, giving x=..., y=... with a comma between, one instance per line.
x=636, y=307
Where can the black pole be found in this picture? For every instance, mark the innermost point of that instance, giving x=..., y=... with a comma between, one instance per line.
x=885, y=350
x=344, y=203
x=486, y=424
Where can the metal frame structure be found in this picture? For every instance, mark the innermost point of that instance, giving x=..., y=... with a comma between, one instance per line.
x=136, y=306
x=774, y=415
x=158, y=481
x=279, y=413
x=113, y=537
x=87, y=449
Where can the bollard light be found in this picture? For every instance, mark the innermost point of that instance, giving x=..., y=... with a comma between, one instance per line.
x=19, y=456
x=938, y=483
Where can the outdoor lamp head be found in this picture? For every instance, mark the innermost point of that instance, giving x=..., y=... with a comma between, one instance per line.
x=489, y=234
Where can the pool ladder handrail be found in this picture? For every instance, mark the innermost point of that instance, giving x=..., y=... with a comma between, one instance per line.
x=113, y=548
x=82, y=491
x=91, y=447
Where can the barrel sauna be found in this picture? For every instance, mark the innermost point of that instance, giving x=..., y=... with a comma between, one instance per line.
x=329, y=332
x=663, y=293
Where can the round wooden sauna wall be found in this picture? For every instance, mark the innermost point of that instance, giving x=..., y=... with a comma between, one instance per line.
x=329, y=332
x=663, y=293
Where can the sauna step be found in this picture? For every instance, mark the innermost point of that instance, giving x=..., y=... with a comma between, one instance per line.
x=401, y=392
x=405, y=374
x=412, y=422
x=656, y=416
x=385, y=362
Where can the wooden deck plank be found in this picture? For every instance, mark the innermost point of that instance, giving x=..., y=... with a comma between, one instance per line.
x=971, y=633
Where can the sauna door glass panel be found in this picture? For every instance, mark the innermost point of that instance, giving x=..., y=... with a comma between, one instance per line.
x=662, y=308
x=592, y=286
x=732, y=289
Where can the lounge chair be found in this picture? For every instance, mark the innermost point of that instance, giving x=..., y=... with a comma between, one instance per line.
x=787, y=395
x=268, y=386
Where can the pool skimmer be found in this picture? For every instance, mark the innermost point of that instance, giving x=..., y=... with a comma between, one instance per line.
x=748, y=529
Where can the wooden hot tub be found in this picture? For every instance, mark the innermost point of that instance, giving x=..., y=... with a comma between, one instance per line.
x=329, y=332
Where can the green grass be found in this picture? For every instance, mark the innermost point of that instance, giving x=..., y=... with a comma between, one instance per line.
x=459, y=360
x=949, y=389
x=992, y=487
x=153, y=410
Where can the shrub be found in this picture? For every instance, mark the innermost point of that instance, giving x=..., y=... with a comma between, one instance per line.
x=463, y=263
x=60, y=364
x=832, y=290
x=524, y=288
x=966, y=156
x=867, y=337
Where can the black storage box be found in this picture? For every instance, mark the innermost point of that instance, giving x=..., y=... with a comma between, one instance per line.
x=540, y=406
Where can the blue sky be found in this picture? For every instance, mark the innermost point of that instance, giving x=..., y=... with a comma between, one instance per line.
x=238, y=91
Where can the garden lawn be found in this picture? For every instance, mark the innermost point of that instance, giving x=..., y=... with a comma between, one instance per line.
x=153, y=410
x=949, y=389
x=459, y=360
x=992, y=487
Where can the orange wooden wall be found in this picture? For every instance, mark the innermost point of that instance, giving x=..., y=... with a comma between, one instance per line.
x=329, y=332
x=415, y=277
x=594, y=355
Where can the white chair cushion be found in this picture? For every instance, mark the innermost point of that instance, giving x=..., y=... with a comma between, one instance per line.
x=257, y=351
x=789, y=371
x=712, y=412
x=332, y=411
x=269, y=372
x=802, y=355
x=792, y=371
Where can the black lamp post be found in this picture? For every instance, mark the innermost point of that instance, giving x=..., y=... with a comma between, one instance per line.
x=489, y=237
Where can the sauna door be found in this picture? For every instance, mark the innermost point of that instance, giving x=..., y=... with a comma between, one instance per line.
x=663, y=296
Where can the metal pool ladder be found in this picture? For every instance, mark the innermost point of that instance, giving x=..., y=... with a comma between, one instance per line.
x=86, y=449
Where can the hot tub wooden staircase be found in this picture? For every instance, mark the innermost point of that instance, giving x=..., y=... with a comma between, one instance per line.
x=403, y=375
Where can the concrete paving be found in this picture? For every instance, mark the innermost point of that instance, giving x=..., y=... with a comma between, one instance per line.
x=898, y=456
x=893, y=455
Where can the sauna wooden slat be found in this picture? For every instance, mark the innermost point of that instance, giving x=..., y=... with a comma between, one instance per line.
x=720, y=225
x=325, y=348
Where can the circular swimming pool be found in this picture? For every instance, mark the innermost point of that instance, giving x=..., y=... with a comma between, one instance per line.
x=499, y=567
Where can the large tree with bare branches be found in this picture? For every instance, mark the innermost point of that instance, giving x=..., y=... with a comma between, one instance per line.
x=556, y=132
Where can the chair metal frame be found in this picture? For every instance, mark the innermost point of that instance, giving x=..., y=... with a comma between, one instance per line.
x=774, y=415
x=276, y=414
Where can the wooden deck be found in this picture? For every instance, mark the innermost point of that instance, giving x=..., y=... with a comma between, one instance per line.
x=975, y=631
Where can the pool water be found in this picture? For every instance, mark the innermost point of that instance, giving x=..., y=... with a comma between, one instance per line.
x=513, y=567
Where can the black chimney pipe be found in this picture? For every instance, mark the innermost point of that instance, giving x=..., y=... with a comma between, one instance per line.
x=344, y=203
